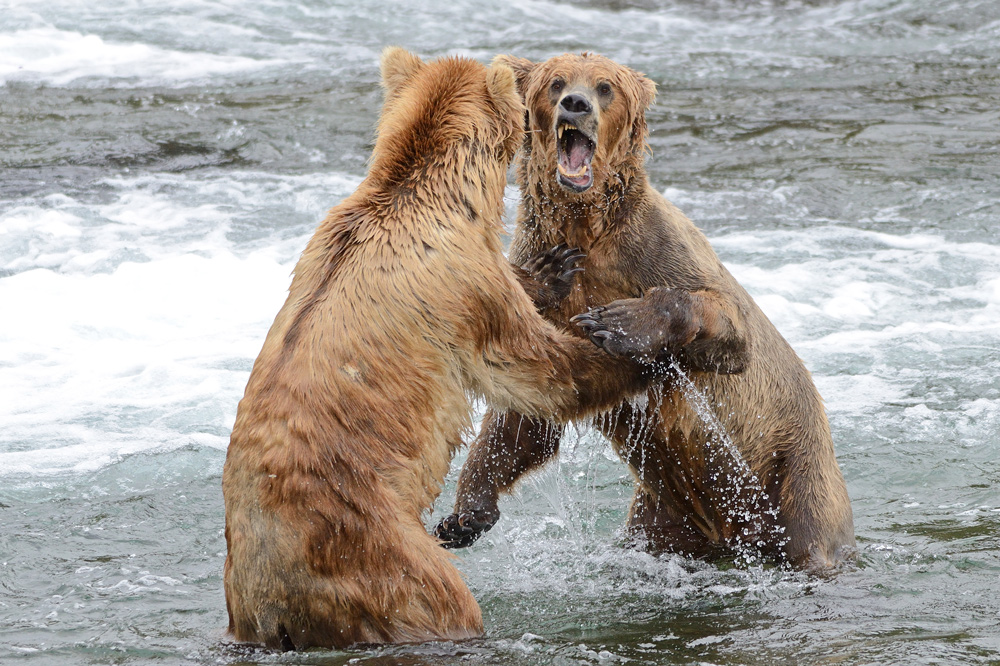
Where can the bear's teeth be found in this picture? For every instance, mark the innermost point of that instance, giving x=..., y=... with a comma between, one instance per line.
x=576, y=174
x=563, y=128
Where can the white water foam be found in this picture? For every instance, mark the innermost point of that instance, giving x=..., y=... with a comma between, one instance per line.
x=866, y=285
x=61, y=57
x=131, y=324
x=153, y=354
x=164, y=215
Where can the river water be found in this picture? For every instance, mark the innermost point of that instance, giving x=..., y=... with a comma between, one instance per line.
x=163, y=164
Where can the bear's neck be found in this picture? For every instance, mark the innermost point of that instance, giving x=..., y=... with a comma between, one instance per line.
x=557, y=215
x=470, y=188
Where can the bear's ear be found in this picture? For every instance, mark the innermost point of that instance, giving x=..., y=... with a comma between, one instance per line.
x=647, y=89
x=398, y=66
x=502, y=90
x=500, y=83
x=640, y=92
x=521, y=68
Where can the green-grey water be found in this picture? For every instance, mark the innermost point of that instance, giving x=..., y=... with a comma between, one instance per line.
x=161, y=168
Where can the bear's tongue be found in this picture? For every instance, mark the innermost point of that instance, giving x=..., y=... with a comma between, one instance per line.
x=576, y=152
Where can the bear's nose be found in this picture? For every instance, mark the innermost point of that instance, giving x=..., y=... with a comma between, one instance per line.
x=576, y=103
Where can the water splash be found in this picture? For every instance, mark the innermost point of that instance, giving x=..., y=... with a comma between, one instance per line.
x=741, y=510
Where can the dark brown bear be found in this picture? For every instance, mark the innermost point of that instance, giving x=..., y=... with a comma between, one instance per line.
x=583, y=183
x=402, y=304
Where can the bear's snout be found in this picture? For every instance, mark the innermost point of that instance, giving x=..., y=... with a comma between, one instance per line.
x=576, y=104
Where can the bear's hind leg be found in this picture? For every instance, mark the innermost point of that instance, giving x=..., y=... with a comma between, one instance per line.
x=651, y=528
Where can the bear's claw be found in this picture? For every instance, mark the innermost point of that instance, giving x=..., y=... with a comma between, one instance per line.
x=462, y=530
x=661, y=322
x=555, y=269
x=597, y=329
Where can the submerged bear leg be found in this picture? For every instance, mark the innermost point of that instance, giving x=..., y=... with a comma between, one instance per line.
x=652, y=528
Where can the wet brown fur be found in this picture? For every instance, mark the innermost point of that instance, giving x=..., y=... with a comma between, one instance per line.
x=692, y=496
x=401, y=305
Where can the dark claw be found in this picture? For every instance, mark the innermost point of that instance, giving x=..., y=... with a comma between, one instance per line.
x=589, y=320
x=592, y=313
x=558, y=255
x=554, y=269
x=534, y=264
x=462, y=530
x=606, y=341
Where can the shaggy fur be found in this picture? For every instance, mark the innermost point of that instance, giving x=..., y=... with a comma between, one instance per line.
x=401, y=305
x=681, y=306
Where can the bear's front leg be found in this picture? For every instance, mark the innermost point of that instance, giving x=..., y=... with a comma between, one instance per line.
x=509, y=445
x=700, y=329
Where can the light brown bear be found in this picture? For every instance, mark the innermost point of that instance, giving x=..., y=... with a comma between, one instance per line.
x=583, y=183
x=401, y=305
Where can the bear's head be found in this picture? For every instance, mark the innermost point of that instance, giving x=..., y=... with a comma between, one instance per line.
x=586, y=115
x=451, y=112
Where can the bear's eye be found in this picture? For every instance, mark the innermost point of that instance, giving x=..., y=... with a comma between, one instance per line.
x=604, y=89
x=557, y=85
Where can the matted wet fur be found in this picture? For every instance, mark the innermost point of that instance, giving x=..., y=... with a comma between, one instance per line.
x=583, y=183
x=401, y=305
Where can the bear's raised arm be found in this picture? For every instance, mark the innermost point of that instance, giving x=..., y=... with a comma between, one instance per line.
x=697, y=328
x=530, y=366
x=536, y=368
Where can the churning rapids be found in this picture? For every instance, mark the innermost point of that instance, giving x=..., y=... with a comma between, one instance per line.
x=162, y=166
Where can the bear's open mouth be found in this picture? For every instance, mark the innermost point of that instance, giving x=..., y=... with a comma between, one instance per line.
x=574, y=152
